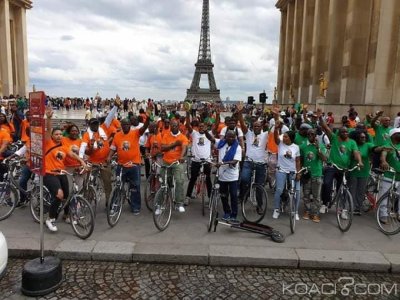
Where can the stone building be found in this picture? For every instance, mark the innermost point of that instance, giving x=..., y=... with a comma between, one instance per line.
x=353, y=44
x=13, y=47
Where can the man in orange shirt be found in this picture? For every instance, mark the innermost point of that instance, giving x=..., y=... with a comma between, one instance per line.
x=5, y=139
x=126, y=144
x=173, y=145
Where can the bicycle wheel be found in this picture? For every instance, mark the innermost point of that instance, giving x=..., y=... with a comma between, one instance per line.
x=81, y=216
x=254, y=205
x=203, y=191
x=162, y=209
x=213, y=209
x=35, y=203
x=292, y=212
x=8, y=200
x=99, y=188
x=114, y=207
x=344, y=209
x=387, y=215
x=152, y=185
x=91, y=196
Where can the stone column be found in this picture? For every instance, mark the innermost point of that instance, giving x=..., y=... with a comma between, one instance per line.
x=288, y=52
x=355, y=49
x=22, y=53
x=296, y=47
x=306, y=50
x=5, y=49
x=319, y=61
x=281, y=63
x=337, y=17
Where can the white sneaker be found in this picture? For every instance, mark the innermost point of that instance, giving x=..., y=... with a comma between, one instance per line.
x=344, y=214
x=322, y=209
x=181, y=209
x=297, y=217
x=51, y=225
x=158, y=211
x=68, y=221
x=275, y=215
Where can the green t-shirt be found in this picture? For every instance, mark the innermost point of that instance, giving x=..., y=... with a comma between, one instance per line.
x=299, y=139
x=393, y=160
x=311, y=159
x=365, y=152
x=381, y=135
x=341, y=152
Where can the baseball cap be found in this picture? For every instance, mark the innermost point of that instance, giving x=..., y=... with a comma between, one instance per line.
x=305, y=126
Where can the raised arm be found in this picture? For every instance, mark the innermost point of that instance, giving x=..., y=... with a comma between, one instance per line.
x=49, y=115
x=324, y=126
x=241, y=120
x=374, y=119
x=146, y=124
x=187, y=123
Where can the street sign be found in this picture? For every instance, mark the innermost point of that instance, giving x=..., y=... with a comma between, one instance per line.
x=37, y=131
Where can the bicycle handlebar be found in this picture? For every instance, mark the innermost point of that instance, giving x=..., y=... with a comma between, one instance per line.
x=357, y=166
x=166, y=167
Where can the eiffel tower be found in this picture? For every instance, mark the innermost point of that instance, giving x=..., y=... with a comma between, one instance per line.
x=204, y=64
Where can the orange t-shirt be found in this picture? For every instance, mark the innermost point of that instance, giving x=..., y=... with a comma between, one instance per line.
x=271, y=145
x=220, y=127
x=100, y=154
x=175, y=153
x=24, y=125
x=127, y=147
x=71, y=145
x=116, y=124
x=9, y=128
x=109, y=130
x=54, y=160
x=4, y=136
x=153, y=144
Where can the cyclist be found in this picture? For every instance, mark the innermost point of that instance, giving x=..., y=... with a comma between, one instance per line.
x=5, y=140
x=173, y=145
x=288, y=161
x=201, y=149
x=390, y=159
x=313, y=155
x=256, y=142
x=343, y=149
x=56, y=183
x=126, y=145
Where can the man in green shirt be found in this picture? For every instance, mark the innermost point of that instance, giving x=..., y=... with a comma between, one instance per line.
x=301, y=135
x=343, y=151
x=381, y=134
x=312, y=155
x=390, y=159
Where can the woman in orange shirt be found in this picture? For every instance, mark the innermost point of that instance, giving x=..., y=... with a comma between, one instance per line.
x=54, y=158
x=4, y=124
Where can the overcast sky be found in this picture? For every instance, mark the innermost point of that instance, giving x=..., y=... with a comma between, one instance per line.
x=148, y=48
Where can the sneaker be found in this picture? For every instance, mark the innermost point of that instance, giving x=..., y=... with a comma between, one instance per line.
x=226, y=217
x=275, y=215
x=136, y=212
x=316, y=218
x=68, y=221
x=344, y=215
x=306, y=215
x=233, y=220
x=186, y=201
x=384, y=220
x=323, y=209
x=181, y=209
x=297, y=217
x=357, y=212
x=157, y=211
x=51, y=225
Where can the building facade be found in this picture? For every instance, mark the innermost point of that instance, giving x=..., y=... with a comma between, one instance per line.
x=14, y=75
x=353, y=44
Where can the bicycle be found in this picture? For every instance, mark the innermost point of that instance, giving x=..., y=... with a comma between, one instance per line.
x=254, y=203
x=288, y=196
x=201, y=186
x=93, y=189
x=373, y=186
x=151, y=186
x=81, y=215
x=344, y=201
x=214, y=200
x=8, y=195
x=270, y=177
x=388, y=206
x=189, y=163
x=119, y=193
x=164, y=198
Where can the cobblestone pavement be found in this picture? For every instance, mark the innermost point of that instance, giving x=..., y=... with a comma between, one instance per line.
x=107, y=280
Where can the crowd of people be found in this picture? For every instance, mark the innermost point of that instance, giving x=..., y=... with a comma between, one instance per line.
x=288, y=139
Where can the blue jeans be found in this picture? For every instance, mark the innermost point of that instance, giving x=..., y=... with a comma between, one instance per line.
x=132, y=175
x=280, y=185
x=229, y=188
x=23, y=182
x=247, y=171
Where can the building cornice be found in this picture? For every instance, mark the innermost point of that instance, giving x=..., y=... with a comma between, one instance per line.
x=27, y=4
x=282, y=4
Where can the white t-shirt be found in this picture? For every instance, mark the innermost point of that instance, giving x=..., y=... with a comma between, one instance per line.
x=239, y=131
x=226, y=172
x=201, y=146
x=256, y=145
x=287, y=156
x=396, y=122
x=143, y=137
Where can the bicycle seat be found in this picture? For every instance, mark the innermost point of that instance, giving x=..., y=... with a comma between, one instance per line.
x=378, y=171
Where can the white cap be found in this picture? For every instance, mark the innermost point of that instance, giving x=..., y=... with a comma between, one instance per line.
x=394, y=131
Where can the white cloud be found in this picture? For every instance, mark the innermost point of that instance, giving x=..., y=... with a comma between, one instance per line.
x=148, y=48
